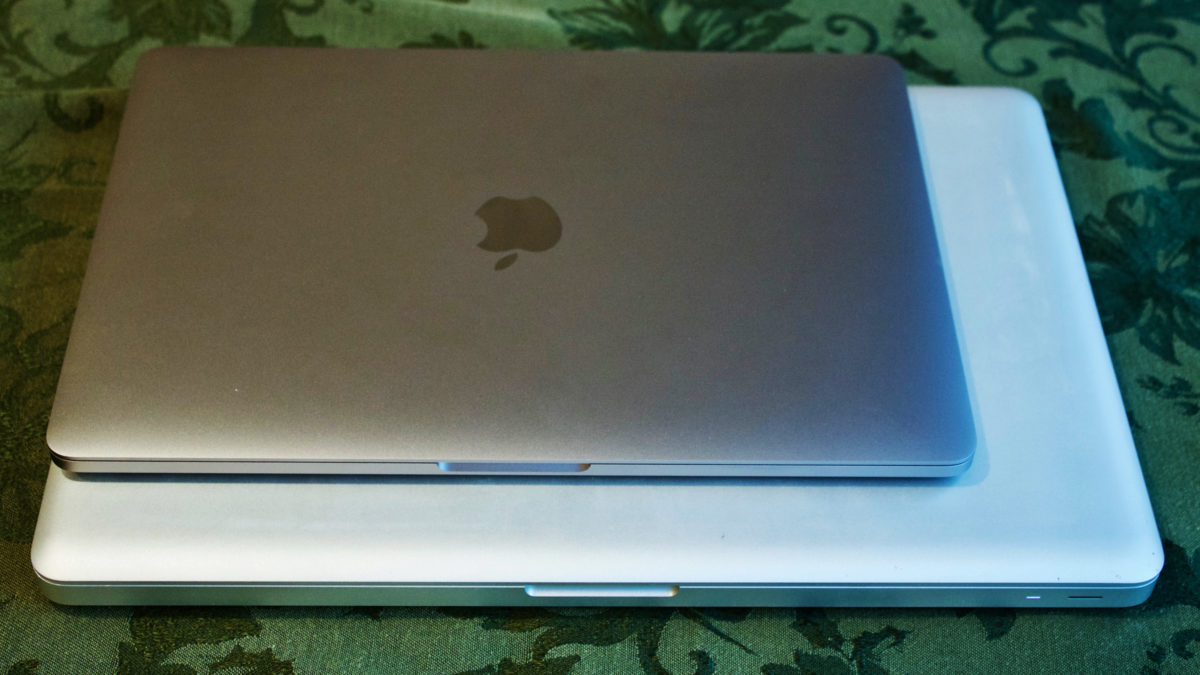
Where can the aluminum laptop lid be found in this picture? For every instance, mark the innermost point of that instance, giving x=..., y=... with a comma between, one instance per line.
x=412, y=262
x=1053, y=511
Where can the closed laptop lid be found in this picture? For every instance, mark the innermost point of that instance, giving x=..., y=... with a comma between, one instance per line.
x=370, y=260
x=1010, y=531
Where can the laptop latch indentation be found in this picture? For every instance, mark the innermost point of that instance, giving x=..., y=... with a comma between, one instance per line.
x=511, y=467
x=601, y=590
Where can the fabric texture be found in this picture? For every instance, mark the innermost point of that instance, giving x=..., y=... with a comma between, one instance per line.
x=1120, y=86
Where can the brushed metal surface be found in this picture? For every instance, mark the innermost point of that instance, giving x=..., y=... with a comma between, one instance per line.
x=286, y=268
x=1054, y=506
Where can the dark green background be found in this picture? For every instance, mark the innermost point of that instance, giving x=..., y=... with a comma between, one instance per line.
x=1120, y=86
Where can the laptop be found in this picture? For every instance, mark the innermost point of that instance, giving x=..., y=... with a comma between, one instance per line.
x=1053, y=512
x=384, y=261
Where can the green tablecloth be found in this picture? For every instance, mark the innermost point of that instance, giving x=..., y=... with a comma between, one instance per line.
x=1120, y=85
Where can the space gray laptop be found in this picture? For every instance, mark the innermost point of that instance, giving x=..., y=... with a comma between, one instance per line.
x=384, y=261
x=1053, y=512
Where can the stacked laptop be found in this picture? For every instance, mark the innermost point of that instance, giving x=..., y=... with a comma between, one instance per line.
x=383, y=327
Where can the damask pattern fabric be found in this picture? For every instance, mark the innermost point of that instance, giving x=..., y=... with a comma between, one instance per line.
x=1120, y=85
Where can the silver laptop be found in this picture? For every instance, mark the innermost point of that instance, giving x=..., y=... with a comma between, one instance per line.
x=383, y=261
x=1052, y=512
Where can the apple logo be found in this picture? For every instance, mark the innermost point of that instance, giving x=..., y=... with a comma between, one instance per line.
x=526, y=224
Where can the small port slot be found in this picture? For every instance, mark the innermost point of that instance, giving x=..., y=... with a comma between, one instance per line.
x=1085, y=597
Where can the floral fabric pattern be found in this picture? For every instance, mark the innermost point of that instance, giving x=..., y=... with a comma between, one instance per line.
x=1119, y=82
